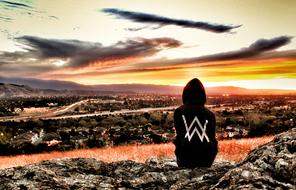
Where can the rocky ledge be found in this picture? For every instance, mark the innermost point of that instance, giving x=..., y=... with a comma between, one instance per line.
x=271, y=166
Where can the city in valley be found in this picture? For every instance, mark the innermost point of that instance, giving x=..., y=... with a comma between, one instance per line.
x=58, y=123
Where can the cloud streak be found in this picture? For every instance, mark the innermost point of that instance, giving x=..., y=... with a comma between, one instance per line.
x=6, y=19
x=6, y=7
x=14, y=4
x=262, y=49
x=255, y=50
x=82, y=53
x=11, y=9
x=162, y=21
x=77, y=53
x=80, y=58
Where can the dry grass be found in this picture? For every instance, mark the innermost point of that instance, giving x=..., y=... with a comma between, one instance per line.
x=233, y=150
x=236, y=150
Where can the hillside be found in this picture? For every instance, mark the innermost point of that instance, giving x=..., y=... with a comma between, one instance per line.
x=18, y=90
x=11, y=90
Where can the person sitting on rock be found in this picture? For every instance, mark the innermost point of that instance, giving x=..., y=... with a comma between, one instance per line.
x=196, y=144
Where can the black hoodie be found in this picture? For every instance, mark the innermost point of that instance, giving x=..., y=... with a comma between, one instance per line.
x=196, y=144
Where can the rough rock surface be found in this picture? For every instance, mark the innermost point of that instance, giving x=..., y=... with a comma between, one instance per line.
x=271, y=166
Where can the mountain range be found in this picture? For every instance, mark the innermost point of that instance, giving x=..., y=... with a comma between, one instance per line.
x=33, y=87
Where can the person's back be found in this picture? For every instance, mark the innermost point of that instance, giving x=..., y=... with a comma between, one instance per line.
x=196, y=145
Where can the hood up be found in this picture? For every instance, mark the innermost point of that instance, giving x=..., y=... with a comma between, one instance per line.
x=194, y=93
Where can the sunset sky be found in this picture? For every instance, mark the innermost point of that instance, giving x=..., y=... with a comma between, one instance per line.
x=246, y=43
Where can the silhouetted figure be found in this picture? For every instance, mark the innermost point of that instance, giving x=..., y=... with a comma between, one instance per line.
x=196, y=144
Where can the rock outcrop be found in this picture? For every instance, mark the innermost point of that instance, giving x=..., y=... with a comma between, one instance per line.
x=271, y=166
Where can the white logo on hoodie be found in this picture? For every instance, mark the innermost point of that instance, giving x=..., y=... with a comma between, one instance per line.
x=195, y=130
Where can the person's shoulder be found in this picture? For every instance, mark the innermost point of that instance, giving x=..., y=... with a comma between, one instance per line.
x=182, y=107
x=179, y=109
x=209, y=111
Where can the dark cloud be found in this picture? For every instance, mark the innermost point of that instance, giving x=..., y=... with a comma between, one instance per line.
x=80, y=53
x=255, y=49
x=54, y=48
x=53, y=17
x=21, y=8
x=270, y=44
x=15, y=4
x=17, y=7
x=156, y=19
x=10, y=57
x=261, y=49
x=288, y=54
x=40, y=51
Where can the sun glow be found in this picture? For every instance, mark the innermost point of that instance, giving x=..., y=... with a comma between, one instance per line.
x=277, y=83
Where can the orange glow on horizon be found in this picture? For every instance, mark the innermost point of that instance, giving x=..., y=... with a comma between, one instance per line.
x=220, y=73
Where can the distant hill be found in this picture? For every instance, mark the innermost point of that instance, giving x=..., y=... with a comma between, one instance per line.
x=9, y=90
x=66, y=85
x=15, y=90
x=27, y=87
x=45, y=84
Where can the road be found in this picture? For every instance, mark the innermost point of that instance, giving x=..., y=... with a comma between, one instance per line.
x=70, y=108
x=49, y=114
x=117, y=112
x=61, y=112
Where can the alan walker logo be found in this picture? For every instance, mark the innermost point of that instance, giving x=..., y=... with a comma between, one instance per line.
x=195, y=130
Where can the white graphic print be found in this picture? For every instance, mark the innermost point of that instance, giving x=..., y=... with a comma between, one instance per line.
x=195, y=130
